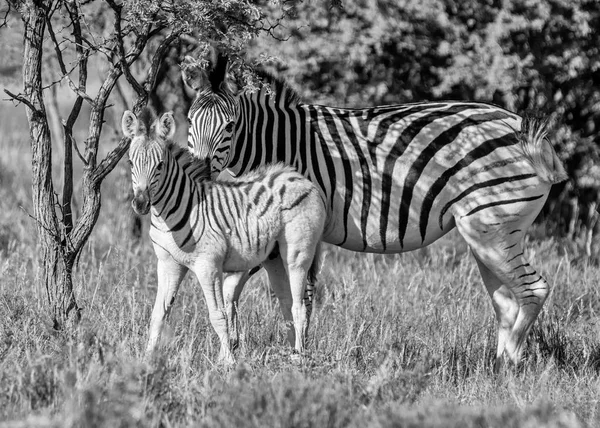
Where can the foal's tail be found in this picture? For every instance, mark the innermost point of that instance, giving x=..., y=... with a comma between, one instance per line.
x=311, y=276
x=311, y=279
x=539, y=151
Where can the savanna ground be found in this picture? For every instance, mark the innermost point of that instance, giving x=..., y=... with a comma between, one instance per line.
x=395, y=341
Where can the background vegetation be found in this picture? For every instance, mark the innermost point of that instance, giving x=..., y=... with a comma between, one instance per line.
x=404, y=340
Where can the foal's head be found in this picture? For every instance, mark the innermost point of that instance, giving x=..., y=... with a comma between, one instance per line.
x=147, y=152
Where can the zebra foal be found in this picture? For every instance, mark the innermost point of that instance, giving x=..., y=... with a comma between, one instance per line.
x=212, y=227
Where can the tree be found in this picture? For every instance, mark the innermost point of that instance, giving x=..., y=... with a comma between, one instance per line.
x=128, y=40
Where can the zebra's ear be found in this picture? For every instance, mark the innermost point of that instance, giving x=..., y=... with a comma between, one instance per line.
x=165, y=128
x=193, y=74
x=218, y=69
x=129, y=124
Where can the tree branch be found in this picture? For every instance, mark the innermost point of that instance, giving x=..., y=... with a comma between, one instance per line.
x=82, y=64
x=48, y=230
x=121, y=47
x=73, y=142
x=157, y=60
x=4, y=20
x=20, y=98
x=66, y=74
x=111, y=160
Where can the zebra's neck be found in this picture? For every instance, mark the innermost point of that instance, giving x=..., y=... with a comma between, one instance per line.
x=269, y=130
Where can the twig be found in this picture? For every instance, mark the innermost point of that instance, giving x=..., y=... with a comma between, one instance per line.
x=69, y=134
x=4, y=20
x=50, y=232
x=21, y=99
x=63, y=68
x=139, y=89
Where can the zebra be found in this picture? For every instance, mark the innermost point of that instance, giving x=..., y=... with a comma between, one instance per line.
x=396, y=178
x=211, y=227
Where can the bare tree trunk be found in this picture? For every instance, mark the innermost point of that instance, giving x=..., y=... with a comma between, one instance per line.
x=57, y=262
x=61, y=238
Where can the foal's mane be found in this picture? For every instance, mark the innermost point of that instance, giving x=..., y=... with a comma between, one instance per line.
x=198, y=169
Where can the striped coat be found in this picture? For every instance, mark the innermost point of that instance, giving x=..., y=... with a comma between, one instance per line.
x=396, y=178
x=212, y=227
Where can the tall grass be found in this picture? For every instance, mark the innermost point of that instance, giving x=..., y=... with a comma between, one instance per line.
x=404, y=340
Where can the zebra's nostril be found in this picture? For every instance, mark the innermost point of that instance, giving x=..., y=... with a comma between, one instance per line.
x=140, y=204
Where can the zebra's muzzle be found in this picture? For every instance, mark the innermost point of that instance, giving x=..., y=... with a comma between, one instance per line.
x=141, y=202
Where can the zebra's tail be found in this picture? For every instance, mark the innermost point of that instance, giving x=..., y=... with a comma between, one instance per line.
x=539, y=151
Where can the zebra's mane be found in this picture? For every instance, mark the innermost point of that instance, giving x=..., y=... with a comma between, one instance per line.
x=198, y=169
x=261, y=172
x=279, y=87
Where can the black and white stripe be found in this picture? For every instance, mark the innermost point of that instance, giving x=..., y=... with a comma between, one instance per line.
x=213, y=227
x=391, y=175
x=396, y=178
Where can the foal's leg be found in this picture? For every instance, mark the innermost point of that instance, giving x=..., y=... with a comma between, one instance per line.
x=281, y=287
x=170, y=274
x=210, y=277
x=233, y=284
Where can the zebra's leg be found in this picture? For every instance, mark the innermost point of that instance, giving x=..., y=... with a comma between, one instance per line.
x=233, y=284
x=297, y=261
x=170, y=274
x=210, y=277
x=297, y=276
x=505, y=306
x=280, y=285
x=500, y=252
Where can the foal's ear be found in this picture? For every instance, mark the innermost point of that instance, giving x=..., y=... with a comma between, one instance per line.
x=129, y=124
x=165, y=128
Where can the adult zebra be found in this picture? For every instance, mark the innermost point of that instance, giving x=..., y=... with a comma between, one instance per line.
x=396, y=178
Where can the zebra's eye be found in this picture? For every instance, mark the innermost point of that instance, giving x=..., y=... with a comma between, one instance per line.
x=189, y=121
x=159, y=166
x=229, y=127
x=129, y=162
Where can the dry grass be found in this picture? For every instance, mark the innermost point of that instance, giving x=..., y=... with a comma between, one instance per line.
x=396, y=341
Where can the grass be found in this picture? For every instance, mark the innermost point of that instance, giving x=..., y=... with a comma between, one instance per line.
x=395, y=341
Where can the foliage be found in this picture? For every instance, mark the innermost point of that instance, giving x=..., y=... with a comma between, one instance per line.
x=535, y=57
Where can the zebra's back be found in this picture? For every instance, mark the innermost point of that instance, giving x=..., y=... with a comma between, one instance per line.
x=410, y=169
